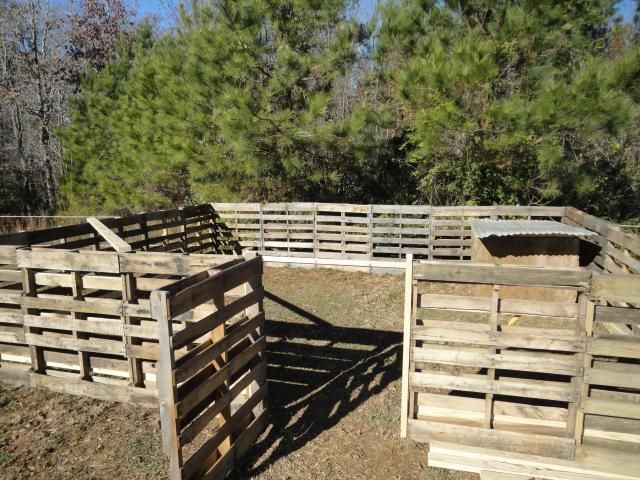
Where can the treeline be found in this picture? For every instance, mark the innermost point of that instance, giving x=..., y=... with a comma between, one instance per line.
x=439, y=102
x=46, y=49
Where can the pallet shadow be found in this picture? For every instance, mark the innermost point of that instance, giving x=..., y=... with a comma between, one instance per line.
x=317, y=374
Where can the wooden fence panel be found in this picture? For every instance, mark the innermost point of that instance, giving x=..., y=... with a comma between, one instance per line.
x=80, y=321
x=361, y=232
x=485, y=365
x=617, y=252
x=212, y=374
x=190, y=229
x=610, y=407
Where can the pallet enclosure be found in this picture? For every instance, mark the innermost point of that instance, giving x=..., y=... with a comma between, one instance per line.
x=161, y=308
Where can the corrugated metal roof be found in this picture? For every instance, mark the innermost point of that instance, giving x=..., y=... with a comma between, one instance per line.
x=483, y=228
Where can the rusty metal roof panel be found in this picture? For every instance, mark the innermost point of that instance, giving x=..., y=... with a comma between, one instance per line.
x=483, y=228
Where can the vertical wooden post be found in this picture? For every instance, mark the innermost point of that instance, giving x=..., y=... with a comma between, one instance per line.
x=578, y=427
x=288, y=234
x=400, y=235
x=167, y=387
x=250, y=312
x=83, y=357
x=129, y=295
x=462, y=226
x=431, y=235
x=29, y=290
x=260, y=248
x=342, y=233
x=96, y=240
x=216, y=236
x=491, y=372
x=406, y=342
x=370, y=228
x=183, y=227
x=315, y=230
x=199, y=237
x=144, y=226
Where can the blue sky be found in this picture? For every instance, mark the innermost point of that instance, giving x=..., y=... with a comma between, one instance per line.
x=162, y=8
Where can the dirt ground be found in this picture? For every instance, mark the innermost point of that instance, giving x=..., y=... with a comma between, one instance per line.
x=334, y=360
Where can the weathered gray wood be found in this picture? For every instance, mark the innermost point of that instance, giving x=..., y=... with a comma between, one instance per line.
x=167, y=387
x=501, y=440
x=117, y=243
x=406, y=343
x=500, y=274
x=616, y=288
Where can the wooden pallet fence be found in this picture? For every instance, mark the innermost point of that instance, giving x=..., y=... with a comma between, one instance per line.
x=610, y=402
x=483, y=367
x=212, y=373
x=614, y=251
x=81, y=322
x=361, y=232
x=190, y=229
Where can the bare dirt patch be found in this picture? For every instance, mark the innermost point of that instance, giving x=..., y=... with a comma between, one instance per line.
x=334, y=397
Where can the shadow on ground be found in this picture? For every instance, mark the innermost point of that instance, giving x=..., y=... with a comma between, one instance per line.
x=318, y=373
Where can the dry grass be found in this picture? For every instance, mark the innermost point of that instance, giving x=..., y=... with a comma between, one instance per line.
x=334, y=397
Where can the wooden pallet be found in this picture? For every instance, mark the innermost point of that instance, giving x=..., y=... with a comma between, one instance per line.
x=591, y=463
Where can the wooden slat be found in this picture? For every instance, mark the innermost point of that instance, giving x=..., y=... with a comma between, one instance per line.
x=209, y=413
x=193, y=364
x=516, y=387
x=548, y=341
x=500, y=274
x=558, y=447
x=105, y=262
x=615, y=346
x=630, y=316
x=201, y=292
x=198, y=461
x=616, y=288
x=480, y=358
x=406, y=343
x=117, y=243
x=189, y=400
x=612, y=378
x=611, y=408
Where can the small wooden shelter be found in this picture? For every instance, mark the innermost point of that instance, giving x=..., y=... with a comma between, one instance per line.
x=537, y=243
x=540, y=243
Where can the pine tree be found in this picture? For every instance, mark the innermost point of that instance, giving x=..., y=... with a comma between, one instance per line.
x=513, y=102
x=96, y=172
x=236, y=105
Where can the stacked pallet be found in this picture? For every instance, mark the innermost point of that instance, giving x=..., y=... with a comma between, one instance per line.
x=610, y=408
x=506, y=403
